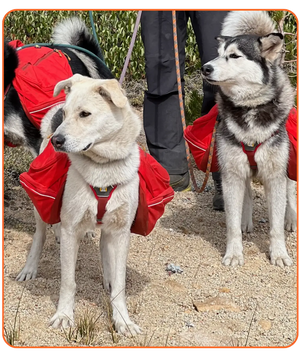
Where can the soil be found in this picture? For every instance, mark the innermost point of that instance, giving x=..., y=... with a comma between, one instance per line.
x=207, y=305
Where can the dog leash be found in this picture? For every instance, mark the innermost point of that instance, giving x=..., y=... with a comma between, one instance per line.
x=135, y=30
x=211, y=149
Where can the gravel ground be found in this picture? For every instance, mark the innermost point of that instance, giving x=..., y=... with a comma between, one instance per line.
x=207, y=305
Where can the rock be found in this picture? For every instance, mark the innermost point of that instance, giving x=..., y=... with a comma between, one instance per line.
x=216, y=303
x=265, y=324
x=174, y=285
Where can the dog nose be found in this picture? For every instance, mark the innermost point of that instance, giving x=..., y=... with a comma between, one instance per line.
x=58, y=140
x=207, y=69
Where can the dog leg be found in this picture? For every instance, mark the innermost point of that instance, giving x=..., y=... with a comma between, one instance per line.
x=56, y=229
x=64, y=316
x=275, y=189
x=114, y=248
x=247, y=224
x=30, y=269
x=233, y=192
x=291, y=207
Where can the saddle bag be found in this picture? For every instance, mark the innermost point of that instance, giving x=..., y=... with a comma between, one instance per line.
x=45, y=182
x=40, y=69
x=198, y=137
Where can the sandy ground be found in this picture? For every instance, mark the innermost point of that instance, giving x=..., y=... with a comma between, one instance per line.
x=207, y=305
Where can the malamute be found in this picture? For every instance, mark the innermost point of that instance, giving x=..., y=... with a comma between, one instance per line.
x=254, y=101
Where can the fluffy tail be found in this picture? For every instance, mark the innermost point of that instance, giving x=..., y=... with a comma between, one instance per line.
x=73, y=31
x=248, y=23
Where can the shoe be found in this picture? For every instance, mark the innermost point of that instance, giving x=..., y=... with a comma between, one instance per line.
x=181, y=182
x=218, y=201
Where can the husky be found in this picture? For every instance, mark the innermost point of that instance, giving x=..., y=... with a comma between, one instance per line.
x=98, y=132
x=254, y=100
x=18, y=129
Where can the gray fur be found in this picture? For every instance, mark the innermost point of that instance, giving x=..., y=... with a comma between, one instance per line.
x=254, y=100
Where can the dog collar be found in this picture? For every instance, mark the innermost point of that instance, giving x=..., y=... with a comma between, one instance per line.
x=102, y=195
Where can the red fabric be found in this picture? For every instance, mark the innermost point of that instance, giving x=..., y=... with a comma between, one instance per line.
x=199, y=137
x=250, y=154
x=45, y=181
x=39, y=70
x=102, y=201
x=154, y=193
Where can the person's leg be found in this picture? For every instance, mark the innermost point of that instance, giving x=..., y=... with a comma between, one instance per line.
x=162, y=120
x=207, y=25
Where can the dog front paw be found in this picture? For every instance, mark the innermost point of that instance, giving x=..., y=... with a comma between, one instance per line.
x=233, y=258
x=247, y=227
x=128, y=329
x=61, y=320
x=280, y=258
x=290, y=223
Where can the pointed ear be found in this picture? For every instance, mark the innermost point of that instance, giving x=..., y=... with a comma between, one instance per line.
x=112, y=89
x=221, y=39
x=66, y=84
x=271, y=46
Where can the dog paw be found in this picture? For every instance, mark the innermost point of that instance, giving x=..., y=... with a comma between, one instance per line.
x=61, y=320
x=128, y=329
x=290, y=224
x=247, y=227
x=27, y=273
x=89, y=235
x=233, y=259
x=280, y=258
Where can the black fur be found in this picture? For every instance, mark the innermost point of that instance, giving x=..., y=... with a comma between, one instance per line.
x=11, y=62
x=56, y=120
x=12, y=104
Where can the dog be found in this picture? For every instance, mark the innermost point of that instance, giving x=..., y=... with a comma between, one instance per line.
x=18, y=129
x=254, y=100
x=98, y=132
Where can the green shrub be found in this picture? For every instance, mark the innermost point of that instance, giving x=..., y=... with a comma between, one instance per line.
x=114, y=30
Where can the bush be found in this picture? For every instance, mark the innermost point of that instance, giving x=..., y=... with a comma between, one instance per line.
x=114, y=30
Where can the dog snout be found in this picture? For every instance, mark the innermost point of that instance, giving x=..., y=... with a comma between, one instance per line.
x=58, y=141
x=207, y=69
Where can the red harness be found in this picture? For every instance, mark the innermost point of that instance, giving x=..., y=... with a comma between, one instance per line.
x=102, y=195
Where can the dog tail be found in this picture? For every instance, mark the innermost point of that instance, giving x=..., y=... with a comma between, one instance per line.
x=247, y=23
x=73, y=31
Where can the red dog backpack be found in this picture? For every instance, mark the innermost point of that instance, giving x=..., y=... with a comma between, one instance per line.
x=39, y=70
x=45, y=182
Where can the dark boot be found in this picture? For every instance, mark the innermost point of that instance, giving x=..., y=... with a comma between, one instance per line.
x=180, y=182
x=218, y=201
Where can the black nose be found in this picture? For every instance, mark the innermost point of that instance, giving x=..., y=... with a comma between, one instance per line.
x=58, y=140
x=207, y=69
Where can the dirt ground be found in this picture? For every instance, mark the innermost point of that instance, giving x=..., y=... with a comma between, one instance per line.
x=207, y=305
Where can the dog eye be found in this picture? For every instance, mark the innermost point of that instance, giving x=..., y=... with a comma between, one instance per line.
x=84, y=114
x=234, y=56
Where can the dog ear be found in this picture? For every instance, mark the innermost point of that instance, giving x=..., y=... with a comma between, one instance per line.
x=271, y=46
x=66, y=84
x=113, y=90
x=221, y=39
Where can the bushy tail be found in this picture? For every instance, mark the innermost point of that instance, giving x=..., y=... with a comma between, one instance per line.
x=248, y=23
x=73, y=31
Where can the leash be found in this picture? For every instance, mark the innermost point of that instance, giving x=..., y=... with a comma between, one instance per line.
x=137, y=22
x=94, y=32
x=211, y=150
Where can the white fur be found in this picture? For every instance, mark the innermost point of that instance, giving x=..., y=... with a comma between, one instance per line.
x=247, y=23
x=113, y=158
x=241, y=80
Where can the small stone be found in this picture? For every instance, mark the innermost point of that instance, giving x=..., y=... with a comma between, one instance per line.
x=265, y=324
x=224, y=290
x=215, y=303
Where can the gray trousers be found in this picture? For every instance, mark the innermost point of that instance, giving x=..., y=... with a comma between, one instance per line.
x=162, y=120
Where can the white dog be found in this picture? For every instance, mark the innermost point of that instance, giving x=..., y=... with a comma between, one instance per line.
x=98, y=133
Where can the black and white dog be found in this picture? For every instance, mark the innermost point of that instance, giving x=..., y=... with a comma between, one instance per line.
x=18, y=129
x=254, y=100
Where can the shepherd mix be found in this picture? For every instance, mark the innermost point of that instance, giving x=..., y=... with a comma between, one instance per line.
x=98, y=133
x=254, y=100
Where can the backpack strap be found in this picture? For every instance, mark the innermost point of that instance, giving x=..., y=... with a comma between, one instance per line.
x=102, y=195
